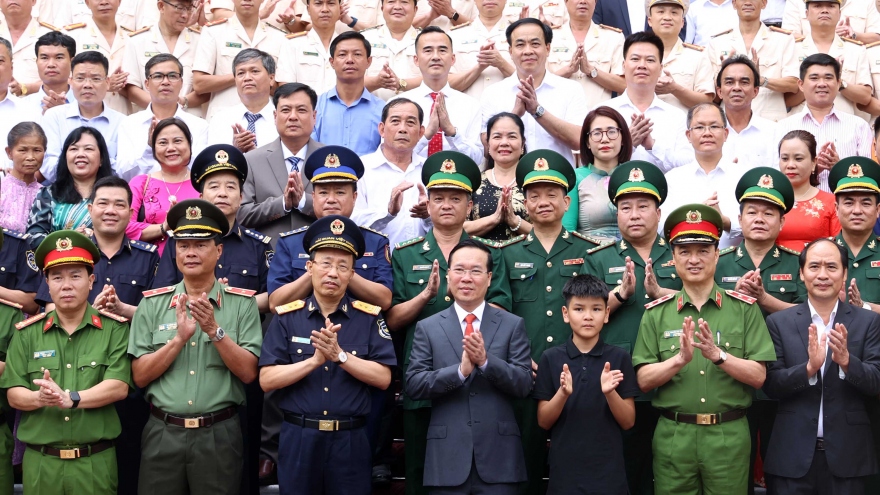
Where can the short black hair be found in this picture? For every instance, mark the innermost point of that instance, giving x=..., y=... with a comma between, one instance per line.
x=351, y=35
x=401, y=101
x=170, y=121
x=249, y=54
x=55, y=38
x=288, y=89
x=741, y=60
x=429, y=30
x=844, y=257
x=822, y=59
x=548, y=33
x=160, y=58
x=91, y=57
x=472, y=243
x=111, y=181
x=585, y=286
x=876, y=126
x=643, y=37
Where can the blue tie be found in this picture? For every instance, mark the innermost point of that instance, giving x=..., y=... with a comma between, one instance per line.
x=293, y=164
x=252, y=119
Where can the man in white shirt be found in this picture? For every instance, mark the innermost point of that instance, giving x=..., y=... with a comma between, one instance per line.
x=711, y=178
x=706, y=18
x=305, y=58
x=89, y=83
x=657, y=128
x=390, y=192
x=251, y=123
x=838, y=134
x=12, y=110
x=164, y=80
x=452, y=118
x=54, y=52
x=552, y=108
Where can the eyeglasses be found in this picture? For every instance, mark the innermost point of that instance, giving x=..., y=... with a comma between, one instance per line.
x=158, y=76
x=461, y=272
x=612, y=133
x=325, y=266
x=180, y=9
x=701, y=129
x=93, y=80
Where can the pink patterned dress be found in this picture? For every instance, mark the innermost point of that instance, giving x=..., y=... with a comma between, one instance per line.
x=153, y=196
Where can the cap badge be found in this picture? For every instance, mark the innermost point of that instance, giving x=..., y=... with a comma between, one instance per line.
x=332, y=161
x=222, y=157
x=63, y=244
x=855, y=170
x=193, y=213
x=636, y=175
x=541, y=164
x=337, y=227
x=694, y=216
x=448, y=167
x=766, y=182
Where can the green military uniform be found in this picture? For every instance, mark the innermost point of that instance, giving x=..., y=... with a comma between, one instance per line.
x=10, y=314
x=705, y=447
x=69, y=451
x=779, y=272
x=192, y=442
x=411, y=268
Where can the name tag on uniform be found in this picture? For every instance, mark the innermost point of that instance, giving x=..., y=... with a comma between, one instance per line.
x=875, y=264
x=304, y=255
x=523, y=265
x=576, y=261
x=229, y=44
x=151, y=54
x=379, y=45
x=44, y=354
x=300, y=340
x=467, y=42
x=672, y=334
x=617, y=269
x=729, y=279
x=559, y=49
x=369, y=253
x=421, y=268
x=781, y=276
x=87, y=46
x=311, y=54
x=167, y=326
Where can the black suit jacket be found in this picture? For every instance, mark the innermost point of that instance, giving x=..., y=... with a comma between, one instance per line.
x=846, y=425
x=615, y=13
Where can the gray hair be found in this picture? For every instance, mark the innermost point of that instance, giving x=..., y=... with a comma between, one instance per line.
x=699, y=106
x=249, y=54
x=5, y=42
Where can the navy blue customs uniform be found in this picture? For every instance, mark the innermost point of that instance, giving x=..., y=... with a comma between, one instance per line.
x=18, y=270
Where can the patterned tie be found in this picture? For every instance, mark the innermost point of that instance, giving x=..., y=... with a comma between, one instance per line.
x=436, y=142
x=252, y=120
x=293, y=164
x=469, y=327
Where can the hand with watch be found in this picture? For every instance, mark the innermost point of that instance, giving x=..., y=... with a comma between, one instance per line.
x=708, y=343
x=203, y=312
x=325, y=342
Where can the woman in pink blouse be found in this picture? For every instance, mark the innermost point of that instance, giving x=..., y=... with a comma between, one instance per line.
x=155, y=193
x=26, y=148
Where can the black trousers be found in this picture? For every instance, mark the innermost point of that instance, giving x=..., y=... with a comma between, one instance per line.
x=818, y=481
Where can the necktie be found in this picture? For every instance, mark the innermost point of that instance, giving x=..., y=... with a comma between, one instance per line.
x=293, y=164
x=436, y=142
x=252, y=120
x=469, y=327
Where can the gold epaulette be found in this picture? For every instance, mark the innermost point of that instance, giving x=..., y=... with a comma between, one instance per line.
x=513, y=241
x=693, y=47
x=657, y=302
x=601, y=247
x=857, y=42
x=276, y=28
x=364, y=227
x=798, y=39
x=291, y=306
x=594, y=240
x=196, y=29
x=239, y=291
x=871, y=45
x=727, y=250
x=112, y=316
x=161, y=290
x=77, y=25
x=296, y=35
x=790, y=250
x=742, y=297
x=49, y=26
x=487, y=242
x=139, y=31
x=33, y=319
x=10, y=303
x=216, y=23
x=371, y=28
x=611, y=28
x=780, y=30
x=722, y=33
x=453, y=28
x=410, y=242
x=366, y=308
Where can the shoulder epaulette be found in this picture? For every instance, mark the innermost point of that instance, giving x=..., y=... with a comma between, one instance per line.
x=10, y=303
x=798, y=39
x=196, y=29
x=17, y=235
x=216, y=23
x=33, y=319
x=366, y=308
x=49, y=26
x=383, y=234
x=611, y=28
x=742, y=297
x=160, y=290
x=872, y=45
x=239, y=291
x=601, y=247
x=112, y=316
x=139, y=31
x=143, y=246
x=780, y=30
x=487, y=242
x=513, y=241
x=410, y=242
x=857, y=42
x=453, y=28
x=727, y=250
x=296, y=35
x=127, y=31
x=371, y=28
x=790, y=250
x=657, y=302
x=77, y=25
x=693, y=47
x=594, y=240
x=276, y=28
x=722, y=33
x=258, y=236
x=291, y=232
x=291, y=306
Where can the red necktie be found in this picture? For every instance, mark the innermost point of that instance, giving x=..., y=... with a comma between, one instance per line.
x=436, y=142
x=469, y=327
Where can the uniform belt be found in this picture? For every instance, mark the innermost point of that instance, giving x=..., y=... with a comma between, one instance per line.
x=204, y=421
x=704, y=419
x=75, y=452
x=324, y=424
x=820, y=444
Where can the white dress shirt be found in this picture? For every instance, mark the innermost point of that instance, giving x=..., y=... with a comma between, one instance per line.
x=301, y=154
x=464, y=112
x=36, y=100
x=754, y=146
x=823, y=329
x=561, y=97
x=58, y=122
x=220, y=125
x=705, y=19
x=374, y=193
x=637, y=15
x=671, y=147
x=13, y=111
x=851, y=135
x=691, y=184
x=462, y=313
x=135, y=156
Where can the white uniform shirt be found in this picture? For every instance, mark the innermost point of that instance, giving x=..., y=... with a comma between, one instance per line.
x=554, y=11
x=863, y=16
x=220, y=125
x=61, y=13
x=135, y=157
x=754, y=146
x=136, y=14
x=689, y=67
x=604, y=49
x=304, y=60
x=466, y=42
x=24, y=55
x=399, y=55
x=705, y=19
x=89, y=38
x=466, y=8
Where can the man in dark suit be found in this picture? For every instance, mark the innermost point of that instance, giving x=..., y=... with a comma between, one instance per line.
x=471, y=360
x=616, y=13
x=277, y=197
x=828, y=364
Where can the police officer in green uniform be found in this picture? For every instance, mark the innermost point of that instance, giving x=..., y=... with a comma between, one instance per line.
x=627, y=266
x=538, y=264
x=703, y=349
x=10, y=314
x=195, y=345
x=419, y=269
x=64, y=371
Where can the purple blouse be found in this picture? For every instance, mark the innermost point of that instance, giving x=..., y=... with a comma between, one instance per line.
x=16, y=200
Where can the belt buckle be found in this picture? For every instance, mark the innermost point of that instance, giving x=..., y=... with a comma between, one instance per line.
x=328, y=425
x=191, y=422
x=68, y=453
x=707, y=419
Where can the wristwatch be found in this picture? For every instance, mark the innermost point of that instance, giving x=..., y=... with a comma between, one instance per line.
x=401, y=85
x=539, y=112
x=721, y=360
x=764, y=82
x=594, y=73
x=74, y=396
x=616, y=293
x=455, y=16
x=354, y=21
x=218, y=335
x=343, y=357
x=843, y=85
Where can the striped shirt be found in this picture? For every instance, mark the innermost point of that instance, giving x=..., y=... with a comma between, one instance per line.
x=851, y=135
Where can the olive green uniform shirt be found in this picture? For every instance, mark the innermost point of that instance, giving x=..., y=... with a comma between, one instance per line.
x=198, y=380
x=10, y=314
x=865, y=268
x=702, y=387
x=411, y=266
x=536, y=281
x=780, y=272
x=94, y=352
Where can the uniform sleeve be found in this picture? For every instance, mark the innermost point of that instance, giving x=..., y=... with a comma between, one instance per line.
x=704, y=77
x=167, y=273
x=711, y=53
x=499, y=289
x=629, y=387
x=757, y=345
x=15, y=374
x=790, y=64
x=250, y=331
x=153, y=264
x=275, y=343
x=119, y=363
x=398, y=293
x=617, y=56
x=547, y=381
x=29, y=278
x=791, y=17
x=266, y=254
x=206, y=53
x=863, y=73
x=140, y=338
x=381, y=347
x=646, y=350
x=130, y=65
x=872, y=21
x=286, y=68
x=383, y=272
x=281, y=269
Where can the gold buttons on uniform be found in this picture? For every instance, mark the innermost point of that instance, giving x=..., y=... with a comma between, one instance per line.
x=191, y=372
x=421, y=281
x=702, y=372
x=447, y=298
x=549, y=338
x=219, y=266
x=93, y=363
x=66, y=418
x=856, y=264
x=522, y=276
x=325, y=413
x=326, y=368
x=108, y=279
x=133, y=282
x=192, y=344
x=647, y=296
x=782, y=289
x=549, y=313
x=549, y=265
x=42, y=368
x=67, y=390
x=68, y=365
x=364, y=266
x=244, y=272
x=190, y=402
x=672, y=347
x=299, y=351
x=727, y=344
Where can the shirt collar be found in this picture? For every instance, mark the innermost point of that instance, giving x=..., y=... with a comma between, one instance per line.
x=301, y=154
x=478, y=312
x=655, y=103
x=683, y=298
x=215, y=295
x=574, y=352
x=73, y=111
x=815, y=314
x=344, y=305
x=91, y=317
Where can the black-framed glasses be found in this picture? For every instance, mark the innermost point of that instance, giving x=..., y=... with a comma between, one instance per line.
x=158, y=76
x=180, y=9
x=612, y=133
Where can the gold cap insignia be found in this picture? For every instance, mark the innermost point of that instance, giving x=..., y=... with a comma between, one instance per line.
x=766, y=182
x=541, y=164
x=332, y=161
x=193, y=213
x=337, y=227
x=855, y=170
x=448, y=167
x=63, y=244
x=636, y=175
x=222, y=156
x=694, y=216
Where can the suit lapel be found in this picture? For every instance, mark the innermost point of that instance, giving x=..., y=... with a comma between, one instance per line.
x=490, y=325
x=802, y=323
x=844, y=316
x=275, y=160
x=452, y=327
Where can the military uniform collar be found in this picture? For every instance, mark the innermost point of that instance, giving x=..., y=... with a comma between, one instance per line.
x=657, y=247
x=90, y=317
x=215, y=295
x=431, y=241
x=563, y=234
x=771, y=258
x=126, y=243
x=574, y=352
x=682, y=299
x=344, y=306
x=871, y=245
x=235, y=230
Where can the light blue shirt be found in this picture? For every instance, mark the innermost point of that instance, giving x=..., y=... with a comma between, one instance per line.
x=59, y=122
x=356, y=127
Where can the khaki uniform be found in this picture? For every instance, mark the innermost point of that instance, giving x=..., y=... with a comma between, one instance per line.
x=24, y=56
x=689, y=67
x=777, y=58
x=136, y=14
x=368, y=12
x=304, y=60
x=89, y=38
x=399, y=55
x=61, y=12
x=554, y=11
x=146, y=43
x=872, y=52
x=466, y=8
x=466, y=42
x=220, y=42
x=863, y=16
x=854, y=68
x=603, y=46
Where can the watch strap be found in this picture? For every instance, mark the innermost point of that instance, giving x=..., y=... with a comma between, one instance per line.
x=74, y=396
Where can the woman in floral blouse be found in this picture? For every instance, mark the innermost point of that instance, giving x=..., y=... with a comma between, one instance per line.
x=813, y=215
x=26, y=147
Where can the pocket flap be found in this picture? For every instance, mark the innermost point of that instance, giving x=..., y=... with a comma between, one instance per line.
x=244, y=269
x=164, y=336
x=436, y=431
x=522, y=273
x=42, y=364
x=92, y=360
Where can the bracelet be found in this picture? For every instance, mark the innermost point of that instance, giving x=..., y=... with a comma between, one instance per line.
x=620, y=298
x=354, y=21
x=518, y=225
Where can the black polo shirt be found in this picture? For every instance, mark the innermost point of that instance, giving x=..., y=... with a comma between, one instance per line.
x=586, y=450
